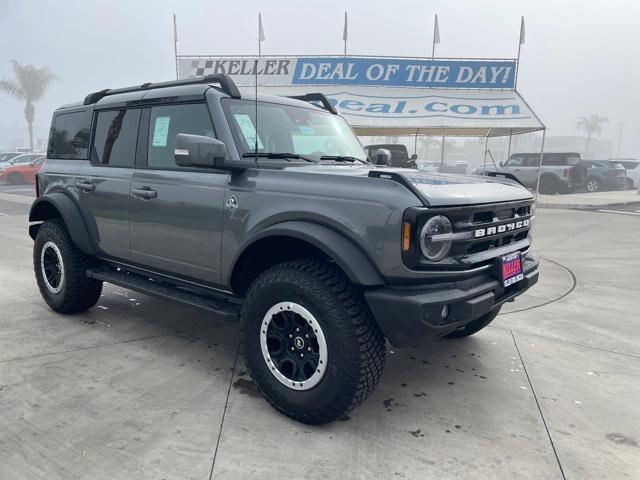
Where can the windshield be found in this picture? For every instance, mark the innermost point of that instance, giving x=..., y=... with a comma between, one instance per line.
x=289, y=129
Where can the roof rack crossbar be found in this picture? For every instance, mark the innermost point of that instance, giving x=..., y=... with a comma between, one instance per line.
x=317, y=97
x=226, y=83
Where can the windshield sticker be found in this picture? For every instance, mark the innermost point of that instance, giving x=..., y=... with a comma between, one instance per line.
x=307, y=130
x=248, y=130
x=161, y=131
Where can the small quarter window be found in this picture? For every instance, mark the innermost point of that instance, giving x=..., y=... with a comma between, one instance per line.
x=69, y=136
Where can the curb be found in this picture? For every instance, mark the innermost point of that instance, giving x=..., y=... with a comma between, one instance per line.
x=583, y=206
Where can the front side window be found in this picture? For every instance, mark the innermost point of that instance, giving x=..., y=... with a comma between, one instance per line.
x=290, y=129
x=516, y=161
x=114, y=141
x=167, y=122
x=69, y=136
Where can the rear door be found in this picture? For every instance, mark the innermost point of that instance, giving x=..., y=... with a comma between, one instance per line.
x=176, y=212
x=104, y=182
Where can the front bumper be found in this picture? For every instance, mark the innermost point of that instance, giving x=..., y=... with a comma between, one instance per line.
x=411, y=315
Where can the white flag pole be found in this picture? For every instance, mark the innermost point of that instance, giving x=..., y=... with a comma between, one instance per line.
x=436, y=36
x=520, y=43
x=261, y=36
x=345, y=33
x=175, y=43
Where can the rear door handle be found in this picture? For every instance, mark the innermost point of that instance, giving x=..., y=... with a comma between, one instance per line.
x=85, y=186
x=144, y=192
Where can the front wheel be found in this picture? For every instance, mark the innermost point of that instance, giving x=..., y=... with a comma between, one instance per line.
x=549, y=186
x=473, y=327
x=61, y=268
x=593, y=185
x=310, y=342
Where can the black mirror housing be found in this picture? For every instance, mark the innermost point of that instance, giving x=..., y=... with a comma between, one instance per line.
x=414, y=157
x=198, y=151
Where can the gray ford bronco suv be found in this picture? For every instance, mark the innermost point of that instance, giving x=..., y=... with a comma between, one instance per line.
x=177, y=190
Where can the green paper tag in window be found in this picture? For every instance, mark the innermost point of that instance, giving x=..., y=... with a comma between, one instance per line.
x=161, y=131
x=248, y=130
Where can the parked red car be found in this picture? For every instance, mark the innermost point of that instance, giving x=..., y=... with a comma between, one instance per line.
x=21, y=172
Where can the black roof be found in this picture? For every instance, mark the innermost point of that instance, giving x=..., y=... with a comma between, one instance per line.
x=226, y=83
x=195, y=87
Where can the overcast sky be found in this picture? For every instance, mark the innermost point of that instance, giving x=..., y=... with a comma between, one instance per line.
x=579, y=58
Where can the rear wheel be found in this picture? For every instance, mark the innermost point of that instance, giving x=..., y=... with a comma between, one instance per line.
x=310, y=342
x=61, y=268
x=475, y=326
x=593, y=185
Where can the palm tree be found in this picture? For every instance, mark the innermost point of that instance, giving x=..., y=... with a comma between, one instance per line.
x=592, y=125
x=29, y=84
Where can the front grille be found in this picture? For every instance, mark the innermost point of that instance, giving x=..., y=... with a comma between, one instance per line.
x=488, y=218
x=485, y=230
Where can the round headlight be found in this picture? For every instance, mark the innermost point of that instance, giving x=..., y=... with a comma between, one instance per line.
x=435, y=250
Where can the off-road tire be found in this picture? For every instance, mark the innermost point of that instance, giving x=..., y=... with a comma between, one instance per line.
x=474, y=326
x=549, y=186
x=355, y=344
x=77, y=293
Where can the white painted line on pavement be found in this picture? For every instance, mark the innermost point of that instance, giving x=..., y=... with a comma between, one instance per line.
x=635, y=214
x=10, y=197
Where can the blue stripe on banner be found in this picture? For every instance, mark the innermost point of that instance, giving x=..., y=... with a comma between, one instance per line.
x=405, y=72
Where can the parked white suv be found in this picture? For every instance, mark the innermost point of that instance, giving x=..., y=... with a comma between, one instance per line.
x=633, y=172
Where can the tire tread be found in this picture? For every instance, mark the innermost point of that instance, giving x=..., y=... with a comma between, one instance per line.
x=369, y=342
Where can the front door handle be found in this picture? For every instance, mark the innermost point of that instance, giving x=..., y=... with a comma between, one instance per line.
x=85, y=186
x=144, y=192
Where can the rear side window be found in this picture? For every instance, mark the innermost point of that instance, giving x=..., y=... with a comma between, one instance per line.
x=115, y=135
x=554, y=159
x=69, y=136
x=167, y=122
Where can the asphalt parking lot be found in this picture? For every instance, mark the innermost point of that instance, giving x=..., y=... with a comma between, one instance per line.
x=142, y=388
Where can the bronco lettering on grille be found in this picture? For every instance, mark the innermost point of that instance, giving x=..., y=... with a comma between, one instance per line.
x=505, y=227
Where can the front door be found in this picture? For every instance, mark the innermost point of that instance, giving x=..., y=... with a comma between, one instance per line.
x=176, y=212
x=104, y=182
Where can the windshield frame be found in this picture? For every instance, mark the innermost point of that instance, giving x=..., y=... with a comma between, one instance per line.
x=244, y=152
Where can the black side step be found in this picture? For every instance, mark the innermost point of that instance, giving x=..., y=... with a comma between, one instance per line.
x=140, y=283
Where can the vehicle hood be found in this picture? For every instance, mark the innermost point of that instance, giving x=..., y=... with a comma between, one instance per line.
x=435, y=189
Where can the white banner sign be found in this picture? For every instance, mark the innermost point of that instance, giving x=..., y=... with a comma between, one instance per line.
x=361, y=71
x=418, y=108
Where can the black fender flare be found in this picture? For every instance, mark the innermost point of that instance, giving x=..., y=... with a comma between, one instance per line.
x=43, y=209
x=344, y=252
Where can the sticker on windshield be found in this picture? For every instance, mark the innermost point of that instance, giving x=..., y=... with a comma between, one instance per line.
x=248, y=130
x=307, y=130
x=161, y=131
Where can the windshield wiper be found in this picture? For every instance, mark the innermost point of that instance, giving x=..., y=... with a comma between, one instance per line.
x=278, y=155
x=341, y=158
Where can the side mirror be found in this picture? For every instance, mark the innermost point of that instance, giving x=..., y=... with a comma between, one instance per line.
x=198, y=151
x=383, y=157
x=414, y=157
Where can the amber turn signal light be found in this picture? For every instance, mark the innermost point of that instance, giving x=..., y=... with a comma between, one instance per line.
x=406, y=236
